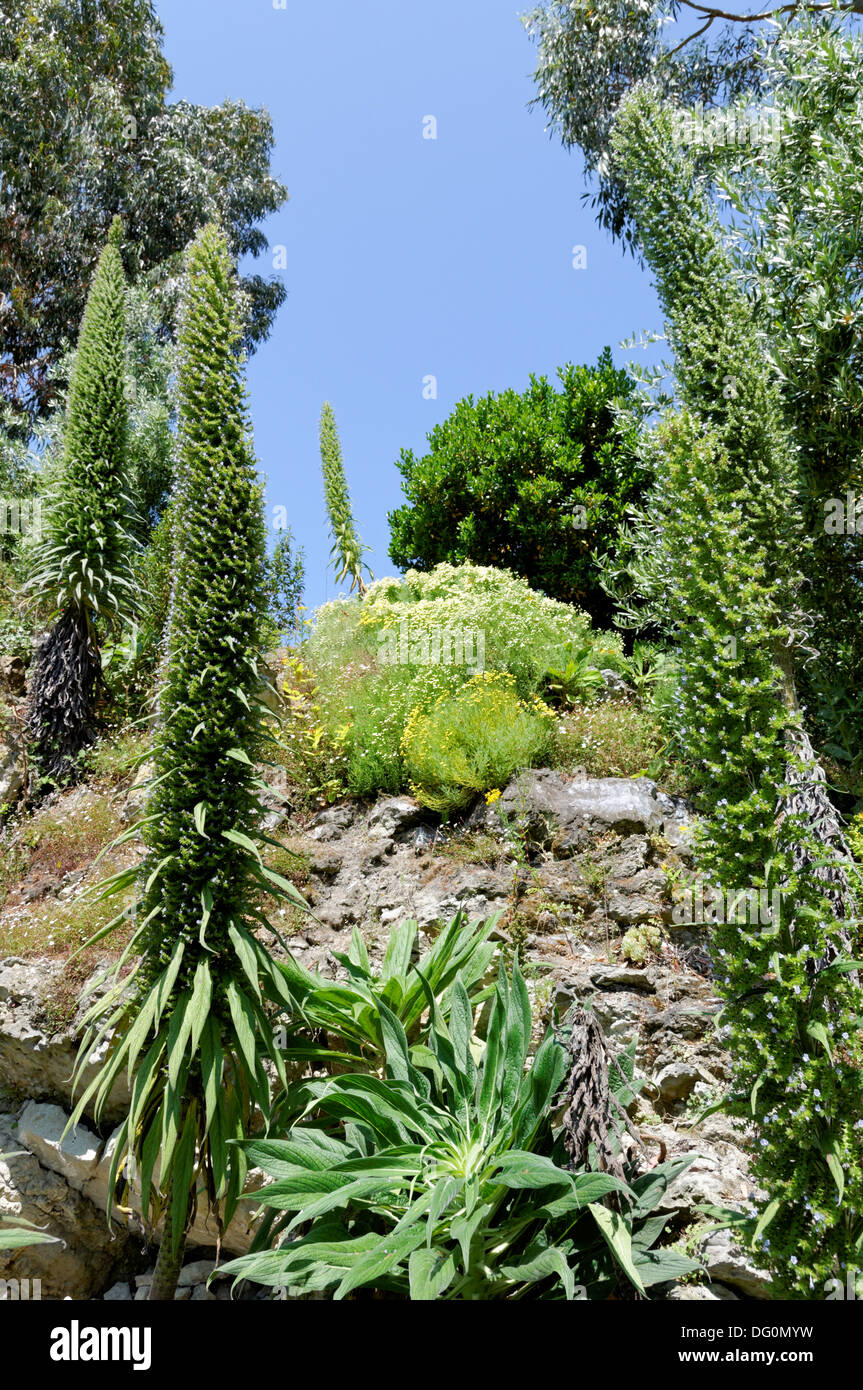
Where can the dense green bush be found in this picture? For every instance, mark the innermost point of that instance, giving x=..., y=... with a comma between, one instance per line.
x=536, y=481
x=473, y=740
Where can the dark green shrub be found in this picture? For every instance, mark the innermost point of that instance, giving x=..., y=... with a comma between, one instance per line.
x=536, y=481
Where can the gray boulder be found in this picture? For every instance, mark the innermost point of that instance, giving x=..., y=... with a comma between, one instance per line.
x=87, y=1253
x=13, y=768
x=573, y=810
x=727, y=1262
x=33, y=1060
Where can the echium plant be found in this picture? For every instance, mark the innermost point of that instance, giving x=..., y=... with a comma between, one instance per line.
x=727, y=523
x=191, y=1029
x=444, y=1178
x=348, y=549
x=84, y=566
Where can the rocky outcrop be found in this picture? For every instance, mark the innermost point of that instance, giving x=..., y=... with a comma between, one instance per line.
x=35, y=1060
x=87, y=1252
x=57, y=1179
x=571, y=865
x=13, y=768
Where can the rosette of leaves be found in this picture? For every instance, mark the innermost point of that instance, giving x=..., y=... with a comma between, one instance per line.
x=348, y=550
x=443, y=1178
x=84, y=566
x=193, y=1022
x=340, y=1020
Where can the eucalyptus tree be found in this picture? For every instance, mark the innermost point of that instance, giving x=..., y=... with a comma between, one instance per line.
x=87, y=130
x=83, y=567
x=192, y=1028
x=591, y=53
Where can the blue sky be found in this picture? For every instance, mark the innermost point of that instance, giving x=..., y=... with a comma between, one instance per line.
x=405, y=257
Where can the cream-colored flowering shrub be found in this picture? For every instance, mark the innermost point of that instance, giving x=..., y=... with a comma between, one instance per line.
x=504, y=624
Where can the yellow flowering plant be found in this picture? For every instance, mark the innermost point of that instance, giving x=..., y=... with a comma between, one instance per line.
x=472, y=740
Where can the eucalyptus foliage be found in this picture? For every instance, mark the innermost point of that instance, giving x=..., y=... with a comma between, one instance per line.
x=190, y=1025
x=348, y=550
x=286, y=581
x=443, y=1179
x=592, y=53
x=87, y=130
x=732, y=551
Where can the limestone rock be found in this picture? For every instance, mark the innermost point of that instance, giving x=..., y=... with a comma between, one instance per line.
x=718, y=1176
x=700, y=1293
x=624, y=976
x=584, y=806
x=677, y=1080
x=88, y=1254
x=13, y=768
x=392, y=817
x=333, y=823
x=133, y=806
x=75, y=1156
x=13, y=676
x=727, y=1262
x=118, y=1293
x=614, y=687
x=33, y=1060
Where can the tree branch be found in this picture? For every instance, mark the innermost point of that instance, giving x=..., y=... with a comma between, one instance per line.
x=854, y=6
